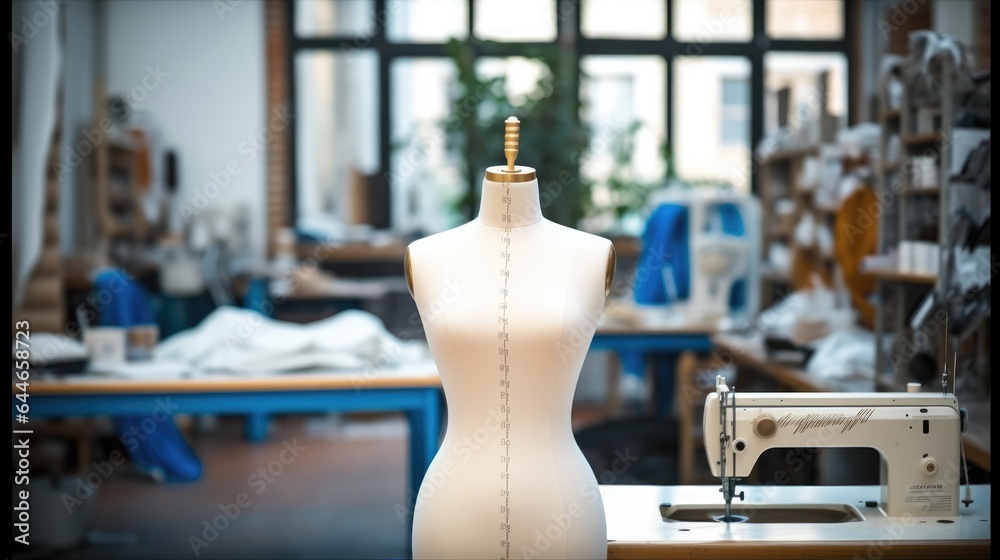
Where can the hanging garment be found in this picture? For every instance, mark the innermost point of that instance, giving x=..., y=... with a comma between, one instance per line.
x=855, y=237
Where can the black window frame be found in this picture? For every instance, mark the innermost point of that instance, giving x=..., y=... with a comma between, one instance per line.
x=568, y=34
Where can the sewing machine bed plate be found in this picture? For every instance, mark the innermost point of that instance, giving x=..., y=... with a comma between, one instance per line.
x=634, y=520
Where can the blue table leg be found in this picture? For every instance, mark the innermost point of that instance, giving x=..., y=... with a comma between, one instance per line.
x=255, y=427
x=664, y=364
x=425, y=432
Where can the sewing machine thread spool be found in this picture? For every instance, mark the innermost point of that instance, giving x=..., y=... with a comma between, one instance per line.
x=913, y=387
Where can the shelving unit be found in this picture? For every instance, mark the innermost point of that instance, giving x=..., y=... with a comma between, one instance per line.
x=121, y=220
x=900, y=287
x=119, y=209
x=900, y=290
x=779, y=176
x=781, y=179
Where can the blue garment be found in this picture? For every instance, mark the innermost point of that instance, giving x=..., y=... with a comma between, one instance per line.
x=153, y=441
x=664, y=246
x=664, y=275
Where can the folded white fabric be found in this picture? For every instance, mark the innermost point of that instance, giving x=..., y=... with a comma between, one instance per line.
x=49, y=348
x=144, y=370
x=238, y=340
x=844, y=354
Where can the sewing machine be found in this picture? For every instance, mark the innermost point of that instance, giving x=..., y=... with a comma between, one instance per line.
x=918, y=436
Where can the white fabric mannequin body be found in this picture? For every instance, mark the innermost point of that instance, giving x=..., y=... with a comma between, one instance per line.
x=509, y=456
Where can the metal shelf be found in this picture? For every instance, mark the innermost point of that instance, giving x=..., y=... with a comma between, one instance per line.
x=896, y=275
x=787, y=154
x=891, y=114
x=921, y=191
x=897, y=301
x=921, y=139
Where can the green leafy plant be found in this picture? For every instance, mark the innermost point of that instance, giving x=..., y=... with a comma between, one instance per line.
x=629, y=193
x=553, y=140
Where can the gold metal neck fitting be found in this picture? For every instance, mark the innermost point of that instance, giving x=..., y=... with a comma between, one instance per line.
x=510, y=174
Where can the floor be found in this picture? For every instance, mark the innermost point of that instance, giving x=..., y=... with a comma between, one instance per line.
x=342, y=496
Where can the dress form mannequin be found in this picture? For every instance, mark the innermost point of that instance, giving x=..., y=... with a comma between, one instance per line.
x=509, y=304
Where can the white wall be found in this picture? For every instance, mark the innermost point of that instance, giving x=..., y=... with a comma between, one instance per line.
x=79, y=67
x=956, y=18
x=209, y=99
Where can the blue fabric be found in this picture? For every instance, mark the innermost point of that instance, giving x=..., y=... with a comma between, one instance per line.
x=664, y=245
x=732, y=224
x=666, y=257
x=258, y=298
x=154, y=444
x=127, y=301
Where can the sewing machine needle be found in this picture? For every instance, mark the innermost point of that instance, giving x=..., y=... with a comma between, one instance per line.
x=729, y=507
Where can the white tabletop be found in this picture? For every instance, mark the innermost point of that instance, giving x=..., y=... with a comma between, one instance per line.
x=633, y=514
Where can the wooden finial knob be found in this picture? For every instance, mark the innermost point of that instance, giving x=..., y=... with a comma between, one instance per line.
x=512, y=131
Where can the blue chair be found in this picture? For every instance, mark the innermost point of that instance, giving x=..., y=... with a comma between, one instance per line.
x=161, y=451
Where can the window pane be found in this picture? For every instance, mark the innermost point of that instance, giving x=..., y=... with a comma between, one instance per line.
x=800, y=89
x=800, y=19
x=734, y=92
x=702, y=151
x=515, y=20
x=708, y=21
x=617, y=92
x=318, y=18
x=336, y=130
x=427, y=21
x=637, y=19
x=424, y=183
x=521, y=75
x=735, y=118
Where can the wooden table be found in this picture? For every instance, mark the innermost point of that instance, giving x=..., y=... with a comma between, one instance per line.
x=750, y=355
x=654, y=331
x=636, y=528
x=413, y=390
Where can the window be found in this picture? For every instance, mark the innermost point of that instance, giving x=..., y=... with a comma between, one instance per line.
x=515, y=20
x=816, y=89
x=624, y=108
x=336, y=132
x=710, y=21
x=812, y=19
x=427, y=21
x=425, y=184
x=373, y=83
x=713, y=139
x=734, y=113
x=614, y=19
x=329, y=18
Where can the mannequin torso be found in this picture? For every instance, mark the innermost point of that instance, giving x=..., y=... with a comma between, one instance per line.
x=509, y=303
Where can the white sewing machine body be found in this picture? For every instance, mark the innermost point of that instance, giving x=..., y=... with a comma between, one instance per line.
x=918, y=436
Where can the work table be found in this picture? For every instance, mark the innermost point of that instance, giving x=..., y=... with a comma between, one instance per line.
x=636, y=528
